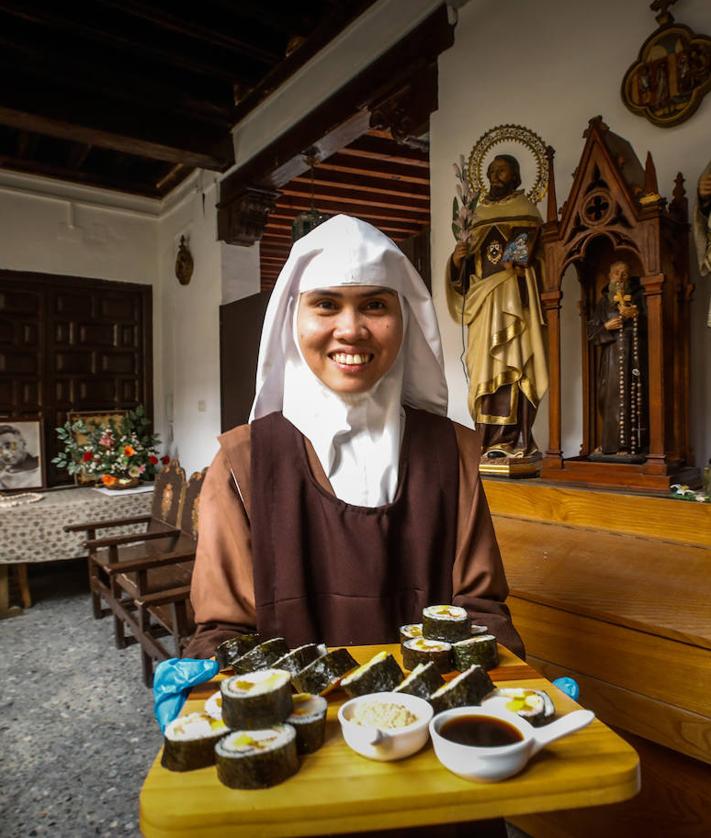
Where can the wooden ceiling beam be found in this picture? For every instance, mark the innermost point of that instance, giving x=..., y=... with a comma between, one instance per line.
x=156, y=52
x=378, y=147
x=138, y=136
x=378, y=169
x=344, y=112
x=30, y=65
x=35, y=167
x=388, y=226
x=191, y=29
x=361, y=210
x=346, y=196
x=363, y=183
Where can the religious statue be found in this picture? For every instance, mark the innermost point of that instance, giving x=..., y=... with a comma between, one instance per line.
x=618, y=328
x=702, y=226
x=492, y=288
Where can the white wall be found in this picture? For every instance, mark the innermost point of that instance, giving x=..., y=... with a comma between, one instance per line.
x=188, y=385
x=551, y=66
x=52, y=227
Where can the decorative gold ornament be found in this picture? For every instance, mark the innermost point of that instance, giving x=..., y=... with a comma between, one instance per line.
x=183, y=263
x=494, y=252
x=672, y=73
x=512, y=133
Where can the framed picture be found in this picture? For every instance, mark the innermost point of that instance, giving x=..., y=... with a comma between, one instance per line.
x=21, y=454
x=91, y=419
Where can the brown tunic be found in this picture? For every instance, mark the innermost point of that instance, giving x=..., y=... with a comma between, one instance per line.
x=329, y=571
x=223, y=586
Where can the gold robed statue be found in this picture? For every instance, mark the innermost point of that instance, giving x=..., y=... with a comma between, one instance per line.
x=492, y=289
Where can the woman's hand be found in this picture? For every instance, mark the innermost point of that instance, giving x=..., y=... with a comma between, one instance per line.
x=461, y=251
x=629, y=312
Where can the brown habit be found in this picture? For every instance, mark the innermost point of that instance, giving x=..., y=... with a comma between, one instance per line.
x=226, y=598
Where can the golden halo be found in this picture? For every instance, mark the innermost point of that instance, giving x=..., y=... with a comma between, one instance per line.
x=515, y=133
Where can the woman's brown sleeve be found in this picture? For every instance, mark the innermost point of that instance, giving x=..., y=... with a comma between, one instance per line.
x=478, y=578
x=222, y=590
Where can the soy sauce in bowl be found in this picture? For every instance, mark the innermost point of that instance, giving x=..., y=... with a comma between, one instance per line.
x=480, y=731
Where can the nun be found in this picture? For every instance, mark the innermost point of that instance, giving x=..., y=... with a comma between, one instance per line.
x=350, y=501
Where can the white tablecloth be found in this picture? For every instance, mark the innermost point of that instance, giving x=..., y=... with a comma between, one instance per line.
x=33, y=532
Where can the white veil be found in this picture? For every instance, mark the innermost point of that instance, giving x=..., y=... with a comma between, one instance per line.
x=356, y=438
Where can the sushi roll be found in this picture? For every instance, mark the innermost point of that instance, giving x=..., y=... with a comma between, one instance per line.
x=446, y=622
x=255, y=700
x=535, y=706
x=421, y=650
x=189, y=742
x=257, y=759
x=262, y=656
x=308, y=718
x=213, y=706
x=469, y=687
x=422, y=681
x=380, y=675
x=229, y=650
x=410, y=632
x=300, y=657
x=325, y=673
x=479, y=649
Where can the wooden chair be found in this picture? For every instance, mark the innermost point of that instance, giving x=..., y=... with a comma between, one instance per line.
x=150, y=584
x=162, y=520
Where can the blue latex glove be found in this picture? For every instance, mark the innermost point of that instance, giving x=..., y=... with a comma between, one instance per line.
x=172, y=681
x=569, y=686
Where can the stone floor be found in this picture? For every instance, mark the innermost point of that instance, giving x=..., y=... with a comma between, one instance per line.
x=76, y=727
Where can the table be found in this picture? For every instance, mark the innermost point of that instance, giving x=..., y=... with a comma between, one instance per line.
x=338, y=791
x=34, y=532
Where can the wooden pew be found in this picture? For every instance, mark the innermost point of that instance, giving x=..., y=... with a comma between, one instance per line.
x=615, y=590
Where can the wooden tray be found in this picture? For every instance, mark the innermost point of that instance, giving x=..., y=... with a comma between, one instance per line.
x=336, y=790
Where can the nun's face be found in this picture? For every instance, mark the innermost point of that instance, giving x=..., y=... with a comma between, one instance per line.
x=349, y=335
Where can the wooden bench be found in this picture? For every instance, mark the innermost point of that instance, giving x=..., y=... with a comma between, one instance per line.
x=591, y=574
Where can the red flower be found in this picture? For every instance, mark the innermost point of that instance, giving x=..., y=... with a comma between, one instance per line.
x=152, y=460
x=165, y=460
x=86, y=456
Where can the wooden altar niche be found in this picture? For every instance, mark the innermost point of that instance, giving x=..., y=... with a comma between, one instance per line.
x=614, y=211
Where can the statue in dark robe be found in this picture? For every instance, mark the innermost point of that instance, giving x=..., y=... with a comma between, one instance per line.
x=618, y=327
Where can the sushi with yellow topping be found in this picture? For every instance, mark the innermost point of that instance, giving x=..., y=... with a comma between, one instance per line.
x=381, y=674
x=258, y=699
x=189, y=742
x=308, y=718
x=257, y=759
x=422, y=650
x=446, y=622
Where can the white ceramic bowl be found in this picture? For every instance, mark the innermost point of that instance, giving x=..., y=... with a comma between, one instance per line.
x=385, y=744
x=487, y=763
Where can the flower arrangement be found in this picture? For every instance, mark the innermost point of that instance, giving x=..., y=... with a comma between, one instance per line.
x=118, y=453
x=463, y=215
x=683, y=492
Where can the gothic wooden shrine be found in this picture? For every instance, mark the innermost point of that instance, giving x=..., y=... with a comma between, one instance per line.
x=631, y=253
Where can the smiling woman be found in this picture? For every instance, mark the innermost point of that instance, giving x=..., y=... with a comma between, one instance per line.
x=350, y=502
x=349, y=337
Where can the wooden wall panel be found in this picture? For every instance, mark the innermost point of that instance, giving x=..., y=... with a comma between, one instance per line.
x=72, y=344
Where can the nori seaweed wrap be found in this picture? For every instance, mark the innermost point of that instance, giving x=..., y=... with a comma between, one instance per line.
x=308, y=718
x=421, y=650
x=254, y=700
x=189, y=742
x=446, y=622
x=469, y=687
x=380, y=675
x=535, y=706
x=325, y=673
x=422, y=681
x=410, y=632
x=257, y=759
x=479, y=649
x=298, y=658
x=261, y=657
x=229, y=650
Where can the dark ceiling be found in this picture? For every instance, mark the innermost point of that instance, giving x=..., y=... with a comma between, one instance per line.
x=134, y=94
